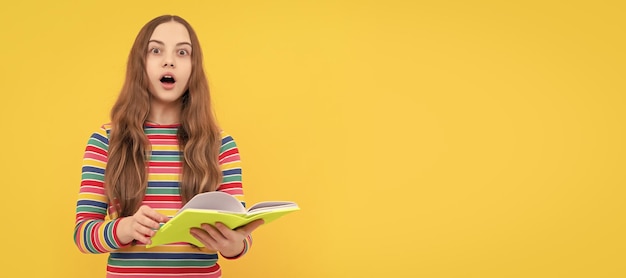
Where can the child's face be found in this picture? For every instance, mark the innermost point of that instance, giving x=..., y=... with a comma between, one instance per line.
x=168, y=62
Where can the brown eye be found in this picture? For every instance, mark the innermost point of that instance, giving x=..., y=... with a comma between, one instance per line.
x=155, y=50
x=183, y=52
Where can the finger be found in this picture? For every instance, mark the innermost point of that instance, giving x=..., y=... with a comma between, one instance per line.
x=228, y=233
x=145, y=221
x=144, y=230
x=203, y=237
x=141, y=238
x=250, y=227
x=214, y=232
x=153, y=214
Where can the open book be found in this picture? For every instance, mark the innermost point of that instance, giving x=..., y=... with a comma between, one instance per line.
x=212, y=207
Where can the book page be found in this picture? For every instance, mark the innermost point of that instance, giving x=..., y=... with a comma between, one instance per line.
x=215, y=200
x=269, y=206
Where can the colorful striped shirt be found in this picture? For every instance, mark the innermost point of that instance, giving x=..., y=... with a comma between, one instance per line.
x=96, y=222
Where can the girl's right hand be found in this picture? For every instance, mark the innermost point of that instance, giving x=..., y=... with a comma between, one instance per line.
x=140, y=226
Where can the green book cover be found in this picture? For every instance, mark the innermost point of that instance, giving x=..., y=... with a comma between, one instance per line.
x=212, y=207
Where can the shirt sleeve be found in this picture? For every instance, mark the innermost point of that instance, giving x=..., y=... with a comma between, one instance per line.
x=230, y=163
x=93, y=233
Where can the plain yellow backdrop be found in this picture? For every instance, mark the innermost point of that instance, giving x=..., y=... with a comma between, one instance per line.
x=420, y=138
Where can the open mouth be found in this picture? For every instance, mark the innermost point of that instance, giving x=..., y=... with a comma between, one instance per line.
x=168, y=79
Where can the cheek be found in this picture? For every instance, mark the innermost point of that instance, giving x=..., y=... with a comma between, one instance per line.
x=151, y=68
x=185, y=70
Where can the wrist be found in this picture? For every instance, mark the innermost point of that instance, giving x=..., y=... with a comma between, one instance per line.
x=239, y=251
x=121, y=232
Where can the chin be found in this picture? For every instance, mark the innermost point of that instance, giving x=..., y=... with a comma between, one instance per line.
x=167, y=98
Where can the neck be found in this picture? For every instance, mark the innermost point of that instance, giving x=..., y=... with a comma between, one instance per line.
x=165, y=113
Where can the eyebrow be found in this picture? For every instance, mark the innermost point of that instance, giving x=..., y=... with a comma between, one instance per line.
x=161, y=43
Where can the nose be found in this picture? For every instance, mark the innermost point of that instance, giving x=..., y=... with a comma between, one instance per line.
x=168, y=61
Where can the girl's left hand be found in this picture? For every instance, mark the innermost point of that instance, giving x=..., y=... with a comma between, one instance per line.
x=221, y=238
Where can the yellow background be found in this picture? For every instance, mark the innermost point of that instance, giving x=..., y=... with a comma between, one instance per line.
x=420, y=138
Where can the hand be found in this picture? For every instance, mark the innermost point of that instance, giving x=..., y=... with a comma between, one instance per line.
x=140, y=226
x=221, y=238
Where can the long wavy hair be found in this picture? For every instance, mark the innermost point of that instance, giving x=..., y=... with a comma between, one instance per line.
x=126, y=177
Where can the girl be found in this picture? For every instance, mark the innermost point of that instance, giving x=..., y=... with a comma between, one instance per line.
x=161, y=148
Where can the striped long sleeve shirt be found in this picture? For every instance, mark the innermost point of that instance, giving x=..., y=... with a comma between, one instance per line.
x=96, y=222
